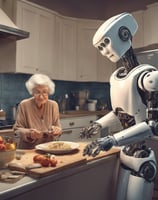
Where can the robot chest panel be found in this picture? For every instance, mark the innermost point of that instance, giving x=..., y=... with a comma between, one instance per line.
x=124, y=94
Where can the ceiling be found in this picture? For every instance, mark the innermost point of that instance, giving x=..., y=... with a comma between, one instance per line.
x=94, y=9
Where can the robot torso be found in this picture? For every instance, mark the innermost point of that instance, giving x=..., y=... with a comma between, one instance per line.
x=125, y=94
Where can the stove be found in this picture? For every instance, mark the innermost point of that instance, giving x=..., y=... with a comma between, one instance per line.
x=6, y=124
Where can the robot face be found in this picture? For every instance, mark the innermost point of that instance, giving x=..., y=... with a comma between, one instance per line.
x=113, y=38
x=105, y=48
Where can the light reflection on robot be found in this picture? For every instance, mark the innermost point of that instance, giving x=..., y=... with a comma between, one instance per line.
x=134, y=99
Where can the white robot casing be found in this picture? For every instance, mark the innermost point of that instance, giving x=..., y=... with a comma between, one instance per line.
x=125, y=94
x=109, y=30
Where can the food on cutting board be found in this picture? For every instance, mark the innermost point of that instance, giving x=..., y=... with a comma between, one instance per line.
x=6, y=143
x=45, y=160
x=59, y=146
x=16, y=166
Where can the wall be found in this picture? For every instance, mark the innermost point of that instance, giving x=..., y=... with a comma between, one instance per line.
x=12, y=90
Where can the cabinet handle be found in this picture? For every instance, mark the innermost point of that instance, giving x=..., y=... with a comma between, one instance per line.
x=71, y=123
x=67, y=132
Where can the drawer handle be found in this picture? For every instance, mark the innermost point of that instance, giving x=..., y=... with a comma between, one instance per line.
x=67, y=132
x=71, y=123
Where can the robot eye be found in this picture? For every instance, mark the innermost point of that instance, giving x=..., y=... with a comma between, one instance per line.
x=103, y=44
x=106, y=41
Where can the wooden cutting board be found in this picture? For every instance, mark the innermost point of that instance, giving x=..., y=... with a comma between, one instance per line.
x=64, y=161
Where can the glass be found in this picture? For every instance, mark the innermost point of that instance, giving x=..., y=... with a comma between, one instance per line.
x=37, y=93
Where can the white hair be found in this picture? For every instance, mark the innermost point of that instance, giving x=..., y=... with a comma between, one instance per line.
x=40, y=79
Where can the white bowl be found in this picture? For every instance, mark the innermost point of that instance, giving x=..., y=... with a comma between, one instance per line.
x=6, y=157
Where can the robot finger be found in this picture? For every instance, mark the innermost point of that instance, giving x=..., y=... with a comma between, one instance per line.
x=83, y=133
x=86, y=151
x=89, y=148
x=96, y=152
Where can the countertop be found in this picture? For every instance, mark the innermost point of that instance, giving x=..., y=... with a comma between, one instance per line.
x=80, y=113
x=29, y=184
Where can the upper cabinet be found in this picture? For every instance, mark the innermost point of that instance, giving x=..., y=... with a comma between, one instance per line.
x=66, y=34
x=37, y=53
x=150, y=25
x=138, y=39
x=61, y=47
x=147, y=26
x=86, y=53
x=104, y=68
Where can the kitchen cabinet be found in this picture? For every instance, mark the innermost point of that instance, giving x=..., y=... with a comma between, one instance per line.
x=72, y=127
x=138, y=39
x=35, y=54
x=73, y=182
x=150, y=24
x=66, y=34
x=104, y=68
x=86, y=52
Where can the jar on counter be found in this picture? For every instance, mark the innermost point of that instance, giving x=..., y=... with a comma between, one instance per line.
x=2, y=114
x=92, y=104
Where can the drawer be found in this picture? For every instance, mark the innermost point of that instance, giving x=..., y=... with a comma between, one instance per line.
x=77, y=122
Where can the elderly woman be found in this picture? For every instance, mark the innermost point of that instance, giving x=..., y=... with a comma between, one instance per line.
x=37, y=118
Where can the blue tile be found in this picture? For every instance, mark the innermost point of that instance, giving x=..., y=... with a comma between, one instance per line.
x=12, y=90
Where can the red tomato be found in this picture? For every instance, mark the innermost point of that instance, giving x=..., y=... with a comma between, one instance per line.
x=2, y=147
x=37, y=158
x=53, y=162
x=45, y=162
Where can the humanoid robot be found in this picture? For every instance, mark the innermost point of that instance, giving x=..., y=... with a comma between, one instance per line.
x=134, y=100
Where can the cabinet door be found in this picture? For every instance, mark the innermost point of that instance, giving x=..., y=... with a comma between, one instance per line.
x=37, y=53
x=150, y=25
x=46, y=43
x=86, y=52
x=104, y=68
x=138, y=39
x=26, y=53
x=72, y=126
x=66, y=48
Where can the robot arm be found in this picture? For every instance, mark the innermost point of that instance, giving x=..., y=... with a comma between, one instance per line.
x=111, y=121
x=148, y=82
x=134, y=134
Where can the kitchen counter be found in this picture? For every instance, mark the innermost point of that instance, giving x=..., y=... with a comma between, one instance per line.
x=6, y=132
x=80, y=113
x=91, y=179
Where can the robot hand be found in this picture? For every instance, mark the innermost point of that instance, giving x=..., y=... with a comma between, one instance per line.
x=88, y=132
x=101, y=144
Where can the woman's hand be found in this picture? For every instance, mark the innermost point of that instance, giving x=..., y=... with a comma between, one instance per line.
x=55, y=130
x=34, y=134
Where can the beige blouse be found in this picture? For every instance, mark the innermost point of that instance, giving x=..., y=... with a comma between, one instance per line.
x=28, y=116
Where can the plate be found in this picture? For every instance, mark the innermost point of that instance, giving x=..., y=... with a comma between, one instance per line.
x=58, y=147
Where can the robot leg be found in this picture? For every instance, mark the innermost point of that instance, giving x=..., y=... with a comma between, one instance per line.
x=136, y=177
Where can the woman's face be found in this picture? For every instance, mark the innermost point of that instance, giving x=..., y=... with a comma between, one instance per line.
x=41, y=94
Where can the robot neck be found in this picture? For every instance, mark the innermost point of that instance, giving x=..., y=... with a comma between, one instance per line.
x=129, y=60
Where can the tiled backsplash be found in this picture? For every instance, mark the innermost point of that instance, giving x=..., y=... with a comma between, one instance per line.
x=12, y=90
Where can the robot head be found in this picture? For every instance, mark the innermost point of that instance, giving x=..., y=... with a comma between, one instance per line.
x=113, y=38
